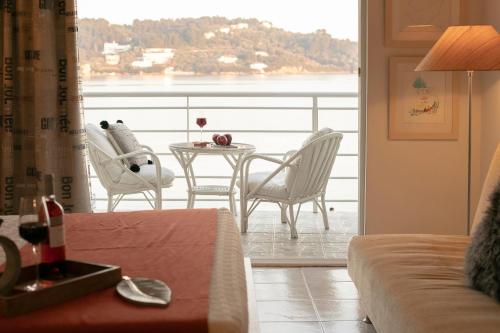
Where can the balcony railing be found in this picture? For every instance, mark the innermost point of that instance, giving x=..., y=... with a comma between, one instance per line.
x=273, y=121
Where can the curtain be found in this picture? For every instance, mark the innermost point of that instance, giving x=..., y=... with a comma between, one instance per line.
x=41, y=116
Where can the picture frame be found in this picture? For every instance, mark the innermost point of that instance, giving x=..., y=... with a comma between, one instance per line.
x=419, y=23
x=422, y=105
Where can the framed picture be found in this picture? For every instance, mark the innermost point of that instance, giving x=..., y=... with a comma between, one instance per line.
x=421, y=104
x=419, y=23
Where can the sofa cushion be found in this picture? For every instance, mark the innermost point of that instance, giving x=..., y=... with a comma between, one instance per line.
x=482, y=262
x=415, y=284
x=274, y=188
x=125, y=142
x=148, y=172
x=489, y=184
x=97, y=137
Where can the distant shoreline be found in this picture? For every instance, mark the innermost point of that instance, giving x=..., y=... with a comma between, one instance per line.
x=224, y=74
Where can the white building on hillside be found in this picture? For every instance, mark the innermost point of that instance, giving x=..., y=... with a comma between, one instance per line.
x=261, y=54
x=209, y=35
x=258, y=66
x=115, y=48
x=112, y=59
x=142, y=63
x=157, y=56
x=227, y=59
x=239, y=26
x=111, y=52
x=225, y=30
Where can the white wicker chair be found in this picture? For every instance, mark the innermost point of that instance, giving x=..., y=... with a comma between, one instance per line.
x=301, y=177
x=116, y=177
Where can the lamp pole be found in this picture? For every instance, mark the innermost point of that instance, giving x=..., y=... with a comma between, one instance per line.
x=470, y=74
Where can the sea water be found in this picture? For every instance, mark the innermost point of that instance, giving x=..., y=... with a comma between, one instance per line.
x=167, y=119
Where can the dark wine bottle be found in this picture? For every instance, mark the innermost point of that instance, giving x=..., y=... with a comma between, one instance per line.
x=53, y=250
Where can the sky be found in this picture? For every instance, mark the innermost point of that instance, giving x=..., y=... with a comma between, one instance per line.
x=338, y=17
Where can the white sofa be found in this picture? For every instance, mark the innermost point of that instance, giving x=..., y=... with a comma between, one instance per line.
x=416, y=283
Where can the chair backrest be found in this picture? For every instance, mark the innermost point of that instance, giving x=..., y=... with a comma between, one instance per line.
x=312, y=164
x=101, y=151
x=490, y=182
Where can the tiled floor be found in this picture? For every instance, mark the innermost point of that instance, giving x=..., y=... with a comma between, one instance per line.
x=308, y=300
x=268, y=238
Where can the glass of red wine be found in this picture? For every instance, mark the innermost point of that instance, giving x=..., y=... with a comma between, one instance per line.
x=33, y=231
x=201, y=121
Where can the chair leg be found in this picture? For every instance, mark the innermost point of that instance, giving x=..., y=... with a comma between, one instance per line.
x=283, y=213
x=158, y=199
x=293, y=222
x=324, y=212
x=110, y=202
x=191, y=198
x=243, y=213
x=232, y=205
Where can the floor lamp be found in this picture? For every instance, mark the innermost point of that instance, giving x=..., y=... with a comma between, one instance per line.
x=465, y=48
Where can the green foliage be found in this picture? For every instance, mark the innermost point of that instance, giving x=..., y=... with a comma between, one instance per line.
x=315, y=52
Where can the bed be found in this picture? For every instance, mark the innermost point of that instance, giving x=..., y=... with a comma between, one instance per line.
x=110, y=238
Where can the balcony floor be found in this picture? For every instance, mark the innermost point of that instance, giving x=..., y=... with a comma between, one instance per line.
x=269, y=239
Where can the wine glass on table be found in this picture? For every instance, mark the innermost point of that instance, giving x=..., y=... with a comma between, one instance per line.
x=34, y=231
x=201, y=121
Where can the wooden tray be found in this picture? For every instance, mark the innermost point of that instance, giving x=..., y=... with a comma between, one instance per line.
x=82, y=279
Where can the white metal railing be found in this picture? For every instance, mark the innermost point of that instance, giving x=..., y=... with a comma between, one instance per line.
x=189, y=108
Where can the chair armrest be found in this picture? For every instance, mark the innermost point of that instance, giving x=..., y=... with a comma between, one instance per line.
x=252, y=157
x=154, y=157
x=245, y=167
x=288, y=154
x=132, y=154
x=147, y=148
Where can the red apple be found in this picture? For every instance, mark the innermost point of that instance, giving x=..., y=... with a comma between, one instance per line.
x=222, y=140
x=214, y=137
x=229, y=138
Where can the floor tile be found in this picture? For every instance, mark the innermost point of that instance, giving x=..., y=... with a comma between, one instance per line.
x=291, y=327
x=259, y=227
x=338, y=237
x=347, y=327
x=259, y=249
x=265, y=227
x=333, y=291
x=258, y=237
x=320, y=274
x=277, y=275
x=335, y=247
x=339, y=310
x=301, y=250
x=280, y=291
x=304, y=238
x=335, y=255
x=286, y=311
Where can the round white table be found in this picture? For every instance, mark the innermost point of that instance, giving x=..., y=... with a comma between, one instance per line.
x=186, y=152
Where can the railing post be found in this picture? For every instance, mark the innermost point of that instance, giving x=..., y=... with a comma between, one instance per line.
x=315, y=115
x=188, y=121
x=315, y=120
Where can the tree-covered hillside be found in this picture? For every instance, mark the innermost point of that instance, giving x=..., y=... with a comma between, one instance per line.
x=198, y=44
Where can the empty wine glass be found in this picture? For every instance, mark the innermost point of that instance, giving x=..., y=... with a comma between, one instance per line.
x=201, y=121
x=34, y=231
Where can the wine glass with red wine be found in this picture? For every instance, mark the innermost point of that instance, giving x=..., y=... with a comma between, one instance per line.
x=33, y=231
x=201, y=121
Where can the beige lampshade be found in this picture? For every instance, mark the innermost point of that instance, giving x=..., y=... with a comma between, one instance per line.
x=464, y=48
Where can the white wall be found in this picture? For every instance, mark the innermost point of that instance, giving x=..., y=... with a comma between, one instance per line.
x=490, y=84
x=411, y=186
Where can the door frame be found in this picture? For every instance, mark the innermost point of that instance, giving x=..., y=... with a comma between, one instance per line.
x=362, y=107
